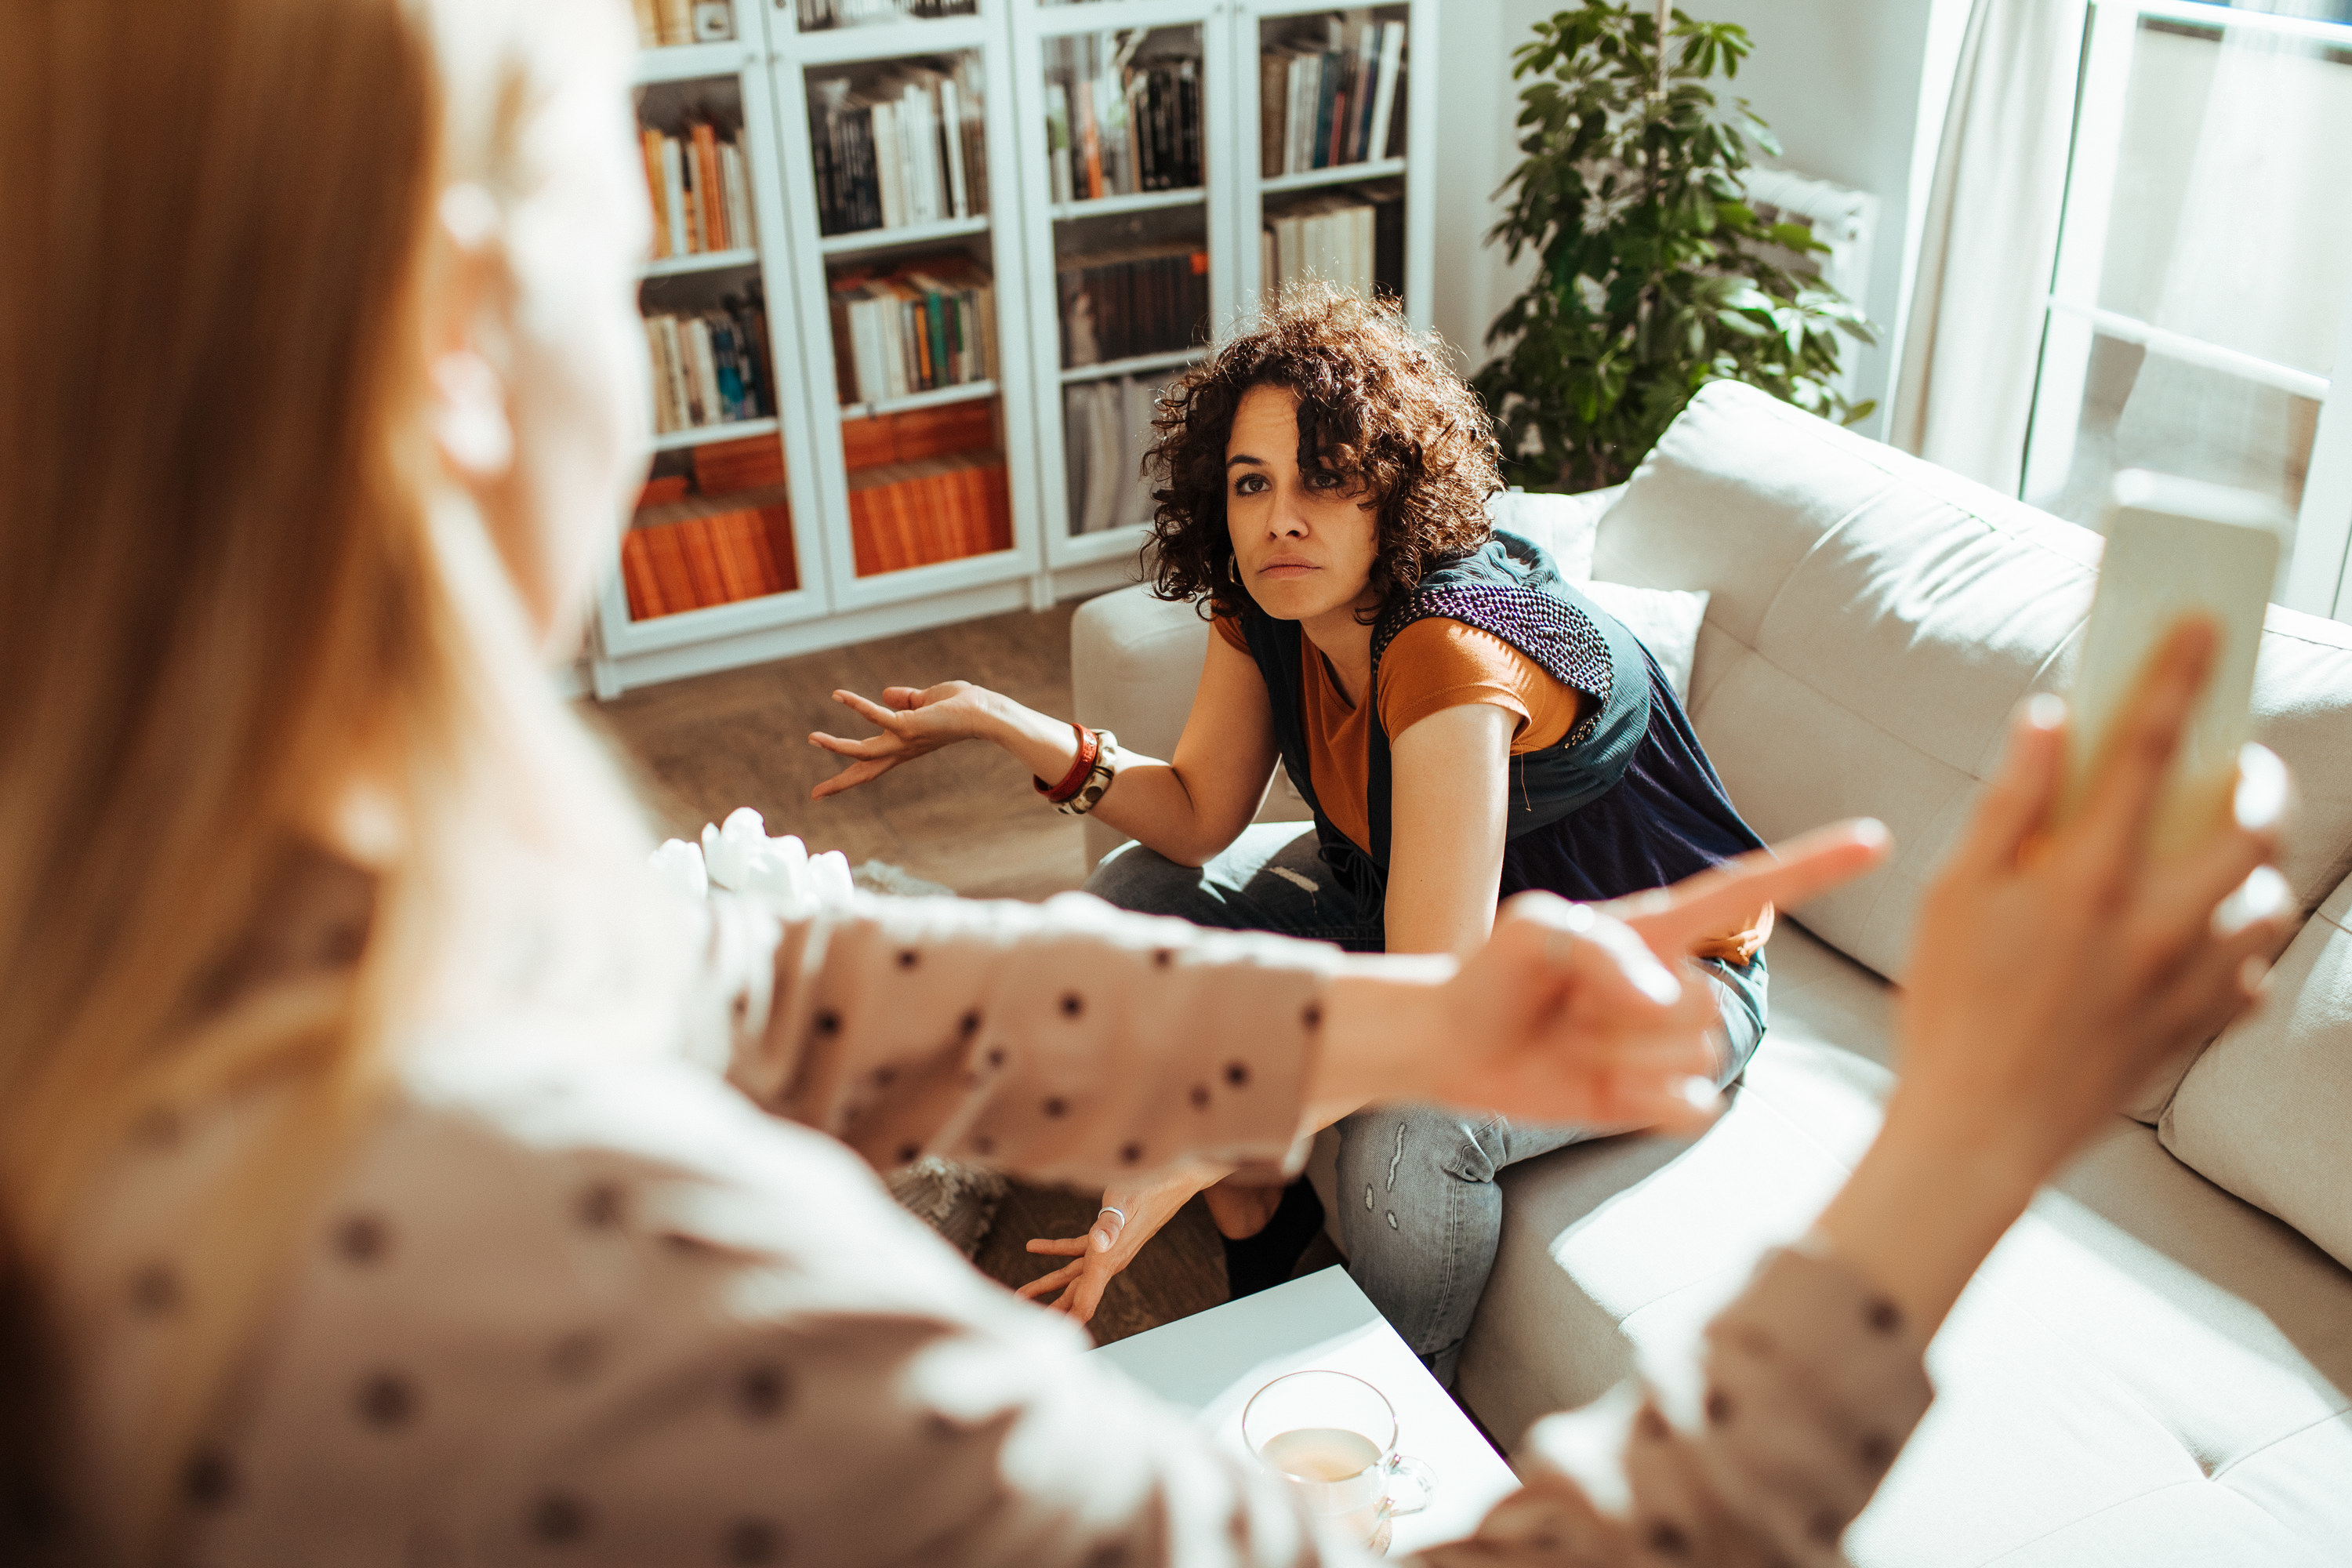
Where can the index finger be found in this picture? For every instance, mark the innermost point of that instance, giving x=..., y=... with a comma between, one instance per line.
x=872, y=712
x=1699, y=907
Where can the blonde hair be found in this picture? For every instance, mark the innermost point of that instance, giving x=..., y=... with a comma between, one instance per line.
x=234, y=583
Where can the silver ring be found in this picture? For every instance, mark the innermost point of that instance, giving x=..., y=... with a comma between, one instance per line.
x=1109, y=1209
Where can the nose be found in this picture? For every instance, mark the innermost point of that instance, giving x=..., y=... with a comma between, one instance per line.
x=1285, y=519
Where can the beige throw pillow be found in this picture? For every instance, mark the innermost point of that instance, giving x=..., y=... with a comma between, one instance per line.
x=2266, y=1112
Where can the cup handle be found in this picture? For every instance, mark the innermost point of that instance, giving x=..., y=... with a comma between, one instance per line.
x=1421, y=1476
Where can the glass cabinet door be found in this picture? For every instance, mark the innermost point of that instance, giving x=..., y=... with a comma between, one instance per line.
x=895, y=159
x=1122, y=163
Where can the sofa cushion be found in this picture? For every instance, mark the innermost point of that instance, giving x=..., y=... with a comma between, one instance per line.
x=2146, y=1371
x=1666, y=620
x=2266, y=1112
x=1874, y=619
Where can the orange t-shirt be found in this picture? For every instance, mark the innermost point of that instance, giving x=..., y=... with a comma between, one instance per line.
x=1431, y=666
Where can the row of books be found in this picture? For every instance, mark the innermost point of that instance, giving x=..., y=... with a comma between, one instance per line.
x=1145, y=300
x=918, y=433
x=710, y=367
x=702, y=191
x=1116, y=126
x=1354, y=238
x=905, y=147
x=1327, y=102
x=816, y=15
x=666, y=24
x=699, y=562
x=916, y=327
x=938, y=509
x=1107, y=428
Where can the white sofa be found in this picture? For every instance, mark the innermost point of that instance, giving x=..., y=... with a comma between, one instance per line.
x=2151, y=1369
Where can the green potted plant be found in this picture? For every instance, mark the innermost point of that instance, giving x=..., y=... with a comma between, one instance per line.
x=1657, y=276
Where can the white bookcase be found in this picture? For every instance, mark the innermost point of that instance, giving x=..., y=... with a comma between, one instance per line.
x=765, y=80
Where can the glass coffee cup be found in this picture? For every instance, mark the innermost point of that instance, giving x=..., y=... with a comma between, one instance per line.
x=1333, y=1437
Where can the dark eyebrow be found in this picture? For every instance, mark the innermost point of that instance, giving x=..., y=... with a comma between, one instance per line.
x=1245, y=458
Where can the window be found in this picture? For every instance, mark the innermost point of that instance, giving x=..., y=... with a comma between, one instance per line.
x=2198, y=310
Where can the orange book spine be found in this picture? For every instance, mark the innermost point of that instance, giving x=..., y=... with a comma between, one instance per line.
x=863, y=546
x=637, y=579
x=738, y=576
x=955, y=513
x=651, y=141
x=707, y=190
x=999, y=495
x=775, y=539
x=935, y=519
x=702, y=562
x=665, y=551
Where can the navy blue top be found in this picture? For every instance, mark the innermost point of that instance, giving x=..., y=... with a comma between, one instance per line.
x=1626, y=802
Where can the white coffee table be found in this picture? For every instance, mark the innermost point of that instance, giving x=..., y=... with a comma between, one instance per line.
x=1213, y=1362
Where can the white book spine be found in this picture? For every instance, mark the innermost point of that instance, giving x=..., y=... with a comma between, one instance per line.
x=708, y=409
x=915, y=131
x=1384, y=97
x=664, y=419
x=866, y=351
x=673, y=357
x=892, y=313
x=736, y=181
x=886, y=175
x=1303, y=73
x=673, y=164
x=951, y=123
x=1057, y=119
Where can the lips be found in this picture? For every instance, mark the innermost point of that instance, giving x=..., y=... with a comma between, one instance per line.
x=1287, y=566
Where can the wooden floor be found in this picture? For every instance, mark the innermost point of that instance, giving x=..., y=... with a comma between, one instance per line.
x=966, y=817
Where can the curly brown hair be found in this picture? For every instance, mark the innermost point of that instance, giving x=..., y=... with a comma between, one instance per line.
x=1378, y=404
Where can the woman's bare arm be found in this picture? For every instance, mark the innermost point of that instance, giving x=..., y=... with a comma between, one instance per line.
x=1187, y=809
x=1448, y=808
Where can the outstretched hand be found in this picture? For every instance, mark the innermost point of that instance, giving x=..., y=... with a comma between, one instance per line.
x=914, y=721
x=1591, y=1014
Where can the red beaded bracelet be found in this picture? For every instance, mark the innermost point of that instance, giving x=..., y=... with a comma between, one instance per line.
x=1072, y=780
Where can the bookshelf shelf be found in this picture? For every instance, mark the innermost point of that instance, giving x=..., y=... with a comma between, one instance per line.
x=711, y=434
x=904, y=235
x=1138, y=364
x=887, y=41
x=1338, y=175
x=939, y=398
x=1141, y=202
x=691, y=62
x=708, y=261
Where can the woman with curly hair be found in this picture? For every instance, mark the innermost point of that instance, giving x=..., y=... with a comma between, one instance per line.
x=1465, y=722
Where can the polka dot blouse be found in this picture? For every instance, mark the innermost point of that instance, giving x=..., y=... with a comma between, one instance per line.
x=563, y=1306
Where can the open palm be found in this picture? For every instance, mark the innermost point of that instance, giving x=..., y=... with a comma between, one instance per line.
x=913, y=721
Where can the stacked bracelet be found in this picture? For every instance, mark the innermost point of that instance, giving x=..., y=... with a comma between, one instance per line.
x=1100, y=768
x=1072, y=780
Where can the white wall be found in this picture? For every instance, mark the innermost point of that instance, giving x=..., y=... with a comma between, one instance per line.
x=1839, y=81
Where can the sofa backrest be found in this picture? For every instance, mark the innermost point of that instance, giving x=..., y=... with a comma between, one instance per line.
x=1875, y=620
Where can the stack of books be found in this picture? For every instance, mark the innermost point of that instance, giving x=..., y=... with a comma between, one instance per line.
x=1354, y=238
x=666, y=24
x=918, y=433
x=702, y=191
x=1116, y=126
x=1146, y=300
x=919, y=327
x=904, y=514
x=1107, y=427
x=818, y=15
x=710, y=367
x=1331, y=101
x=715, y=555
x=905, y=147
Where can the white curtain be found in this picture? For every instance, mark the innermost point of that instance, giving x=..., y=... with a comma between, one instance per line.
x=1965, y=387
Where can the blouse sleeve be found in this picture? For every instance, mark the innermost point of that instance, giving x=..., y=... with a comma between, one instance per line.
x=1809, y=1385
x=1067, y=1042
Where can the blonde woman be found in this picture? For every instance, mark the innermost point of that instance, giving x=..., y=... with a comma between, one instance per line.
x=370, y=1189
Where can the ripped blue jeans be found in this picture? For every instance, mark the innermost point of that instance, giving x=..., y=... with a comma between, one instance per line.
x=1420, y=1214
